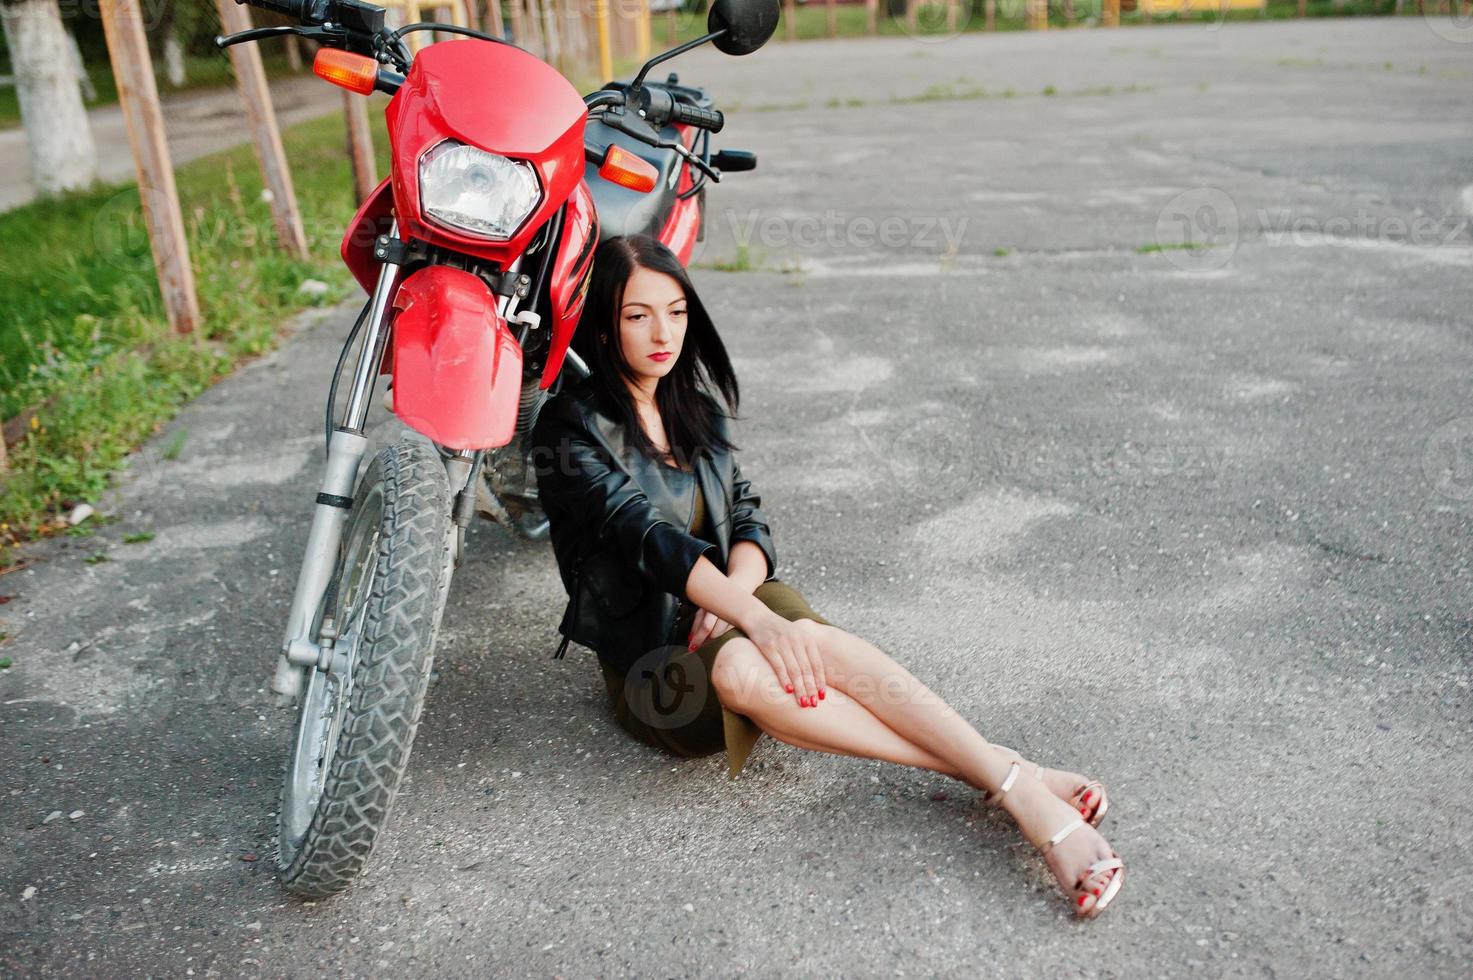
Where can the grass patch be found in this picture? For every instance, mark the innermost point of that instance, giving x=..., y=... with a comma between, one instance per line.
x=175, y=445
x=85, y=350
x=742, y=262
x=746, y=260
x=1171, y=247
x=138, y=537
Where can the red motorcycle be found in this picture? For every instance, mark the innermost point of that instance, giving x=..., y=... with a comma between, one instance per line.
x=476, y=253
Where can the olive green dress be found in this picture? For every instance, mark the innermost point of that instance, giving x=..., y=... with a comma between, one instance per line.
x=670, y=703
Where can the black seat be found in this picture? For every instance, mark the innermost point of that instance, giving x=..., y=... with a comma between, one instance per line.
x=622, y=211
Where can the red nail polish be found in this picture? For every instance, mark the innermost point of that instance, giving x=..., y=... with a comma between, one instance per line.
x=1083, y=899
x=788, y=688
x=821, y=693
x=1098, y=890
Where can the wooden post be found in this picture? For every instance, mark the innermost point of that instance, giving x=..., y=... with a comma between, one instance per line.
x=951, y=16
x=910, y=15
x=360, y=145
x=494, y=21
x=293, y=53
x=534, y=26
x=1038, y=15
x=989, y=10
x=1110, y=17
x=138, y=96
x=605, y=49
x=250, y=78
x=4, y=462
x=871, y=17
x=519, y=24
x=831, y=27
x=1302, y=6
x=790, y=17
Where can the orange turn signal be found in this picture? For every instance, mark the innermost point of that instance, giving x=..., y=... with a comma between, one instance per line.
x=629, y=170
x=354, y=72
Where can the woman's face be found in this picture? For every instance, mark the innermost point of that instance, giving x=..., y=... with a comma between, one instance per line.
x=652, y=323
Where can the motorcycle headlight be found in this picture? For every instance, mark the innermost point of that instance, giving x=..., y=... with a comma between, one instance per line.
x=480, y=193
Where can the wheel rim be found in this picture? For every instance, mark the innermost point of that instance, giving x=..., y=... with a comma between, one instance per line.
x=325, y=699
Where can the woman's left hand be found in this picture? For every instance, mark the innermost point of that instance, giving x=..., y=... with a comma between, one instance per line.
x=706, y=626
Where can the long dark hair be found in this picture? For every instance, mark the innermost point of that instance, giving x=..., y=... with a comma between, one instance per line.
x=683, y=396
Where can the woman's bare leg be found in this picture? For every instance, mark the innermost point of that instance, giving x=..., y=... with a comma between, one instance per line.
x=888, y=714
x=848, y=727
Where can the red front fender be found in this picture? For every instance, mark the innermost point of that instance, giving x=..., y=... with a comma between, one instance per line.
x=457, y=368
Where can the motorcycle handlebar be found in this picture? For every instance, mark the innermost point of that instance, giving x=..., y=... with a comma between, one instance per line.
x=711, y=119
x=295, y=9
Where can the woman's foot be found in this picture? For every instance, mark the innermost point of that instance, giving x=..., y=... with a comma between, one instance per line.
x=1082, y=794
x=1043, y=817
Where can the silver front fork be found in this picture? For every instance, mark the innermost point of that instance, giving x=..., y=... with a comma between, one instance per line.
x=345, y=452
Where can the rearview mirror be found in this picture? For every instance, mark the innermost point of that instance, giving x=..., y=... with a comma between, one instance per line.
x=748, y=24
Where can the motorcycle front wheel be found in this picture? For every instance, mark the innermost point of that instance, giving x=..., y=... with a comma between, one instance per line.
x=357, y=719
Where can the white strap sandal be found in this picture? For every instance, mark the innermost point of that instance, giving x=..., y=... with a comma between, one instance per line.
x=1076, y=801
x=1098, y=868
x=1110, y=864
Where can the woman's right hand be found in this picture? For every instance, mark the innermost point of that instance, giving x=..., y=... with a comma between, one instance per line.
x=793, y=652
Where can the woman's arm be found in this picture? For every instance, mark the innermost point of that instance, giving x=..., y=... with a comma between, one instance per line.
x=747, y=564
x=789, y=647
x=748, y=523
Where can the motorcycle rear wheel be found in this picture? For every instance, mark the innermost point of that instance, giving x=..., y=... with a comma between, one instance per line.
x=356, y=722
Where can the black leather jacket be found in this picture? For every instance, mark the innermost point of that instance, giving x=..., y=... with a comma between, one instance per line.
x=622, y=541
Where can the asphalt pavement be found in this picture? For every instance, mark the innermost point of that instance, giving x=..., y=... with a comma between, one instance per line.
x=1116, y=382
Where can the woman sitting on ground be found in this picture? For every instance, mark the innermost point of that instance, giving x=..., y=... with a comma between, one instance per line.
x=670, y=570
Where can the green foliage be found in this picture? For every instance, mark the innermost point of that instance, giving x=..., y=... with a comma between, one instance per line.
x=83, y=337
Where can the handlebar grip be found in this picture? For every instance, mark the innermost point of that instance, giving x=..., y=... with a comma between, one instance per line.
x=295, y=9
x=292, y=8
x=711, y=119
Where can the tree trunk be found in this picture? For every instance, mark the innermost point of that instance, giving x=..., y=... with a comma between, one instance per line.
x=63, y=156
x=174, y=61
